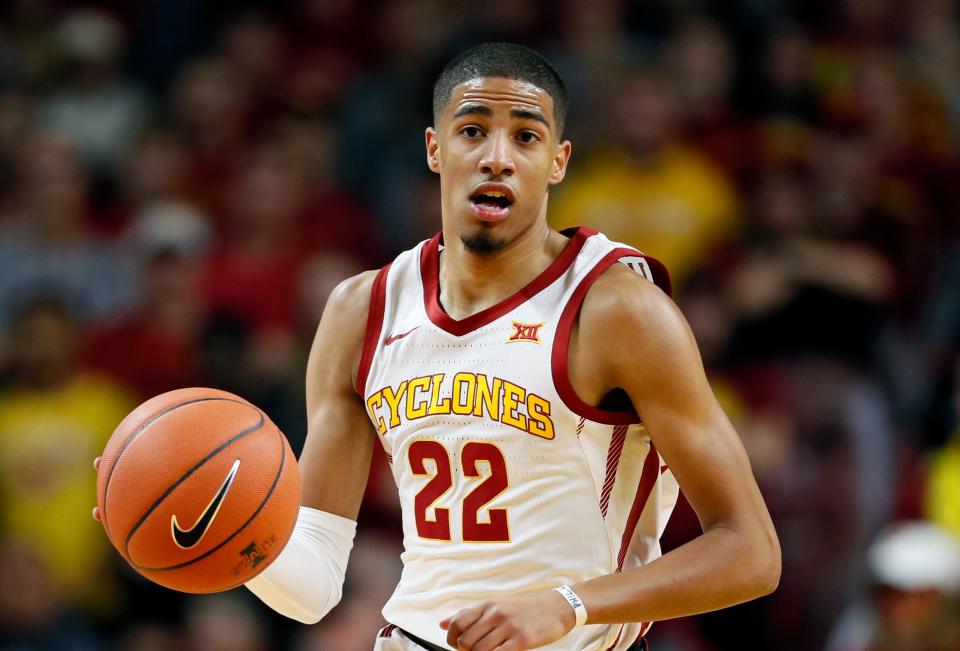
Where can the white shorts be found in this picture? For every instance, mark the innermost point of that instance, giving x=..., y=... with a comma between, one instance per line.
x=391, y=638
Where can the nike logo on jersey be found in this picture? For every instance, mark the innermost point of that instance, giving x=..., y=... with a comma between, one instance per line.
x=187, y=538
x=392, y=338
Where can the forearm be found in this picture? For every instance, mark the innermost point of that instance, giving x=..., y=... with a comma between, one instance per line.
x=306, y=581
x=717, y=569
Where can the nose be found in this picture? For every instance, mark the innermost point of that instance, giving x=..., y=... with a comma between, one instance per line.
x=497, y=158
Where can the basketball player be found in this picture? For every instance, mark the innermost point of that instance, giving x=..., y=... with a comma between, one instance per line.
x=539, y=397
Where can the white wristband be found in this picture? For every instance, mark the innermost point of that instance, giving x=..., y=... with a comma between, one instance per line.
x=575, y=602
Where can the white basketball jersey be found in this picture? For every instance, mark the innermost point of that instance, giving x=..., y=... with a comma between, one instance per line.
x=508, y=481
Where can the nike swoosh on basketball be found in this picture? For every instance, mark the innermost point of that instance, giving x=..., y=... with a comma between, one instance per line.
x=392, y=338
x=187, y=538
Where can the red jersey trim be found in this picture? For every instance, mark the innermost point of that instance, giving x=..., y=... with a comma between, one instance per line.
x=371, y=336
x=648, y=479
x=430, y=275
x=644, y=629
x=649, y=475
x=561, y=342
x=613, y=462
x=387, y=631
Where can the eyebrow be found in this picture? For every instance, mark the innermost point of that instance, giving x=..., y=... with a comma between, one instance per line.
x=527, y=114
x=473, y=109
x=480, y=109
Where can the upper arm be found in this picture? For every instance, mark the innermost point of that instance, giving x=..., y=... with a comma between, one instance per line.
x=335, y=462
x=642, y=344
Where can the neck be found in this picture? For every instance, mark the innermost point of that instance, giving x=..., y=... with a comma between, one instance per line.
x=470, y=283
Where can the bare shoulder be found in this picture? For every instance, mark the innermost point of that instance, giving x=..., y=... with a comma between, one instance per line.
x=626, y=322
x=351, y=298
x=338, y=343
x=622, y=301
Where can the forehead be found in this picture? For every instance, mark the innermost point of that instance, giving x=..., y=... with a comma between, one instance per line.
x=501, y=93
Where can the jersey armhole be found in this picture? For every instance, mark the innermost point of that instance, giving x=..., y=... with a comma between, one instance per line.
x=559, y=361
x=371, y=336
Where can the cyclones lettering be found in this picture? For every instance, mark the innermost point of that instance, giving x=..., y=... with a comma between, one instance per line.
x=467, y=394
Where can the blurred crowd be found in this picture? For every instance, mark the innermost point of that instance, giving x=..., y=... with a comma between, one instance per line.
x=183, y=182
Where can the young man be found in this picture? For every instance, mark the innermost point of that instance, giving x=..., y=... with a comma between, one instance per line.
x=539, y=397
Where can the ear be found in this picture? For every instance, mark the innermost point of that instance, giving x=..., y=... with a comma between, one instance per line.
x=560, y=160
x=433, y=150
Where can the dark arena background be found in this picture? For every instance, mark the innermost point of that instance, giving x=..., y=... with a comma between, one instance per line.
x=182, y=183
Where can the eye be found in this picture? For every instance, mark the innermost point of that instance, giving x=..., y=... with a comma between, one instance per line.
x=528, y=137
x=471, y=131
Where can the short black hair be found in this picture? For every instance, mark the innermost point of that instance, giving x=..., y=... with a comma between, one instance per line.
x=508, y=60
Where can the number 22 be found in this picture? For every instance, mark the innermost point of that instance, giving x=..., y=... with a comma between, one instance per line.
x=497, y=529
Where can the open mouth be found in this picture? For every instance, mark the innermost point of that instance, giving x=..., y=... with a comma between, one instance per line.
x=491, y=205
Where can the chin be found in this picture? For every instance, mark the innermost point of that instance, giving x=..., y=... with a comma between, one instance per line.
x=482, y=242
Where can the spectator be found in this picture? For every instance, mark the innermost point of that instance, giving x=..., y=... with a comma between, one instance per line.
x=210, y=109
x=377, y=160
x=33, y=613
x=53, y=420
x=153, y=348
x=45, y=246
x=700, y=61
x=331, y=218
x=95, y=110
x=646, y=189
x=784, y=88
x=253, y=272
x=915, y=573
x=785, y=268
x=154, y=173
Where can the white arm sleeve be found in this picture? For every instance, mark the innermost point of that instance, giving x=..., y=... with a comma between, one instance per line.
x=306, y=580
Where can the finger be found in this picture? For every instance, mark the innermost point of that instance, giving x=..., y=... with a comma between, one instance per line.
x=472, y=634
x=445, y=624
x=460, y=622
x=96, y=463
x=510, y=645
x=492, y=640
x=96, y=513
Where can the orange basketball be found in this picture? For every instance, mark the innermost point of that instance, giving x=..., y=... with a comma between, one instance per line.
x=198, y=490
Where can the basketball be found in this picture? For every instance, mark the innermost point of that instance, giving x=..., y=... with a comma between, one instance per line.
x=198, y=490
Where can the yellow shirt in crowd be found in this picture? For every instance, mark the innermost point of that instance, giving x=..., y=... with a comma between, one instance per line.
x=675, y=207
x=943, y=487
x=48, y=441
